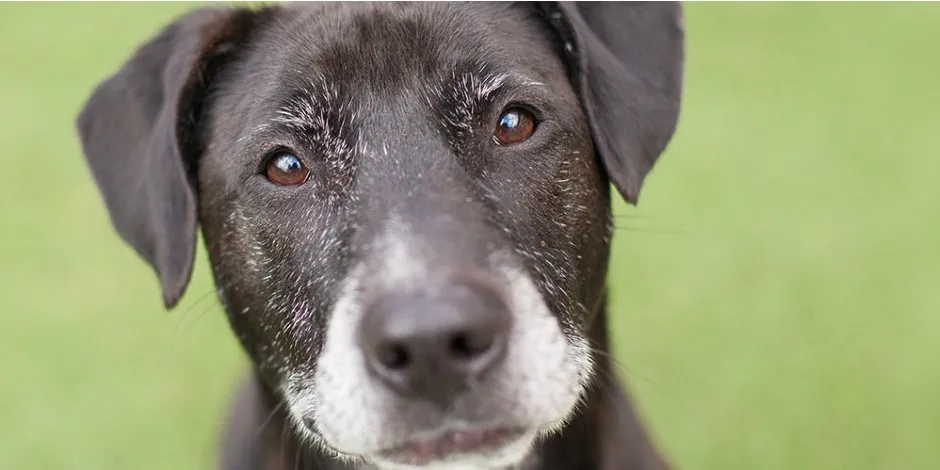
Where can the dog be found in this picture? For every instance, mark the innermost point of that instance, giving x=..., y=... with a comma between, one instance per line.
x=406, y=208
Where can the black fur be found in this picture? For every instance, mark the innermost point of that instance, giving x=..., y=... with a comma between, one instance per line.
x=364, y=95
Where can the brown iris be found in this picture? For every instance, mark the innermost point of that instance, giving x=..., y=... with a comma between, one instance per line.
x=286, y=169
x=514, y=126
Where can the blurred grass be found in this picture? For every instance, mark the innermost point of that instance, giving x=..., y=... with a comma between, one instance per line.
x=775, y=296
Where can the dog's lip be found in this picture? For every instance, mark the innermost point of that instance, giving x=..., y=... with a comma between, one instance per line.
x=446, y=443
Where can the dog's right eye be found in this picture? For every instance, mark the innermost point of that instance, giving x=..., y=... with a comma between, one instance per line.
x=285, y=169
x=515, y=125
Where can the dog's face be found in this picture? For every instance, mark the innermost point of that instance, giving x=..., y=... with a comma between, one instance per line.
x=406, y=218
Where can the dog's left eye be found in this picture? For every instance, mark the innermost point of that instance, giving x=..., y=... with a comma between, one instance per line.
x=515, y=125
x=285, y=169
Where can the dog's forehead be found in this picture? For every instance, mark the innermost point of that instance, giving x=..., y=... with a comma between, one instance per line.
x=375, y=50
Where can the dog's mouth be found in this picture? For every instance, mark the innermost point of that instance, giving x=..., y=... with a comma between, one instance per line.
x=452, y=444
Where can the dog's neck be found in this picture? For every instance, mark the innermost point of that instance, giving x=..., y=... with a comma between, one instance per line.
x=606, y=434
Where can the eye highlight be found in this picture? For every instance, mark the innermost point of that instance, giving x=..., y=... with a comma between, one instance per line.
x=515, y=125
x=285, y=169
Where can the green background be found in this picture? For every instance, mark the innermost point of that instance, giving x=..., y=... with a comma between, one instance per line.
x=775, y=299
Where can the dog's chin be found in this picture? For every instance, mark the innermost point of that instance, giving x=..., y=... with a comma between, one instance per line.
x=478, y=449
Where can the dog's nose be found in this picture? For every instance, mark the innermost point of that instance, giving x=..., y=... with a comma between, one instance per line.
x=434, y=345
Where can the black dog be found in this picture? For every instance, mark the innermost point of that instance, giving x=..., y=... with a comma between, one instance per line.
x=406, y=207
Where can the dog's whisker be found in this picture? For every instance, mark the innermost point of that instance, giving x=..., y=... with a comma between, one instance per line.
x=186, y=321
x=195, y=304
x=619, y=365
x=637, y=216
x=177, y=335
x=277, y=408
x=179, y=330
x=634, y=229
x=284, y=442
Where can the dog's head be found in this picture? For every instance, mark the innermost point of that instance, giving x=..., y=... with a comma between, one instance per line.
x=406, y=205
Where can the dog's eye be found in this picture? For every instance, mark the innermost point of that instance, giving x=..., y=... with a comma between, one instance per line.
x=286, y=169
x=514, y=126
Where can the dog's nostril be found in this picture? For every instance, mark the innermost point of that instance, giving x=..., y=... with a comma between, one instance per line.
x=467, y=346
x=393, y=356
x=308, y=422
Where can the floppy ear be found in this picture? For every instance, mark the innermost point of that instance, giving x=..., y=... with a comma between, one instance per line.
x=626, y=62
x=140, y=133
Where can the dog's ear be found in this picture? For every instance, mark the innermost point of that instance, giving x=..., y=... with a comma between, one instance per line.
x=626, y=63
x=140, y=132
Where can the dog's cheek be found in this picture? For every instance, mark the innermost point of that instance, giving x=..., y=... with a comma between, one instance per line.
x=591, y=243
x=272, y=285
x=242, y=267
x=581, y=219
x=561, y=230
